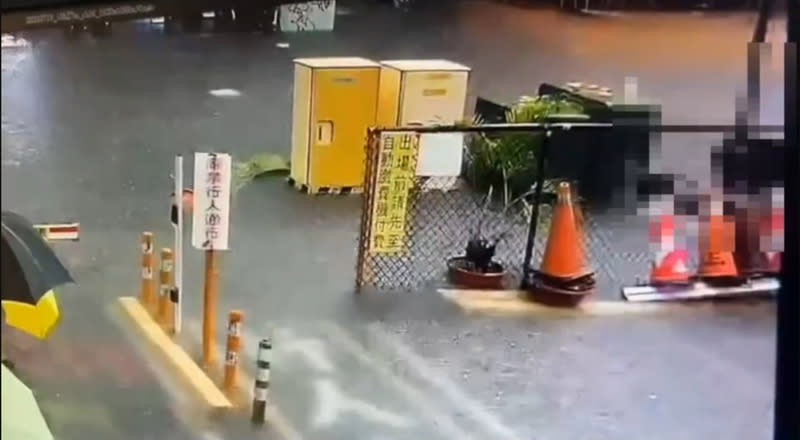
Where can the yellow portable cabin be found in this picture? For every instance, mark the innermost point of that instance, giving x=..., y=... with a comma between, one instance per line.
x=426, y=92
x=335, y=102
x=422, y=92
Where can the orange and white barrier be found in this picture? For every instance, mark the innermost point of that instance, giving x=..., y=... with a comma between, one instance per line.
x=261, y=388
x=59, y=231
x=147, y=295
x=166, y=282
x=233, y=348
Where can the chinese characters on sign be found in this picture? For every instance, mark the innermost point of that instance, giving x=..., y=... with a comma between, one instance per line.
x=397, y=164
x=212, y=194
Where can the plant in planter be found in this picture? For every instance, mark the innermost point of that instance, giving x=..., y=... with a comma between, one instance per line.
x=477, y=268
x=508, y=160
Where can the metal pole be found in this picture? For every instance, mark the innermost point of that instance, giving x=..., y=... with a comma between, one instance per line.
x=764, y=13
x=787, y=362
x=751, y=116
x=178, y=246
x=210, y=300
x=577, y=125
x=537, y=200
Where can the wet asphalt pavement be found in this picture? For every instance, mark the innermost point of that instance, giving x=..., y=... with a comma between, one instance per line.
x=89, y=130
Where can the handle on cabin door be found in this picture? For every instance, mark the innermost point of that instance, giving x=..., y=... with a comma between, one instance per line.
x=324, y=132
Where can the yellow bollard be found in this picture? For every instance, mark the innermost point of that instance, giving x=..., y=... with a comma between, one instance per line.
x=166, y=283
x=234, y=347
x=147, y=295
x=210, y=297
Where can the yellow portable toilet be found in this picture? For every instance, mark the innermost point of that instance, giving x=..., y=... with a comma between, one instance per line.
x=335, y=102
x=427, y=92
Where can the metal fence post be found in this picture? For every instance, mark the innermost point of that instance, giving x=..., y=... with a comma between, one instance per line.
x=260, y=393
x=537, y=200
x=363, y=269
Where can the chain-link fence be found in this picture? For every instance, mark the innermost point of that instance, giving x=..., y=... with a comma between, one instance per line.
x=412, y=225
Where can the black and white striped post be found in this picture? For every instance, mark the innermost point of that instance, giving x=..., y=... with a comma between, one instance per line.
x=262, y=381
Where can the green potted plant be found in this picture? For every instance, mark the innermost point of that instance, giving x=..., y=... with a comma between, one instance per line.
x=477, y=267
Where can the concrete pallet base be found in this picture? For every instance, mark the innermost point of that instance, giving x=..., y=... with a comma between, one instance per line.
x=305, y=189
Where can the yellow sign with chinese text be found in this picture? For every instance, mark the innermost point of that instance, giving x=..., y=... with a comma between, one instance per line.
x=395, y=178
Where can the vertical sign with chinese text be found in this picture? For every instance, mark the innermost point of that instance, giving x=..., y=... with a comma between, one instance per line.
x=396, y=174
x=212, y=200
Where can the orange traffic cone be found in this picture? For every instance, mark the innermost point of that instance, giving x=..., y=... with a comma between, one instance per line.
x=672, y=269
x=670, y=266
x=717, y=264
x=564, y=256
x=564, y=278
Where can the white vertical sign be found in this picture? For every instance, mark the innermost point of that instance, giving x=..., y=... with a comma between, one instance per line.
x=212, y=201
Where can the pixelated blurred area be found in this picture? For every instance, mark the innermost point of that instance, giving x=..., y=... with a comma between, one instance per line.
x=626, y=178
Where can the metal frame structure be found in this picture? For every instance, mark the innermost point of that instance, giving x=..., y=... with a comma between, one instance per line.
x=550, y=128
x=786, y=425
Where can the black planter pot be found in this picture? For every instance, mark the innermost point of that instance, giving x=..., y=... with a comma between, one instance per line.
x=460, y=275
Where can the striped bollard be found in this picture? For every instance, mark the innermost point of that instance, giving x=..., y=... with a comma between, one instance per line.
x=234, y=345
x=147, y=295
x=262, y=382
x=166, y=283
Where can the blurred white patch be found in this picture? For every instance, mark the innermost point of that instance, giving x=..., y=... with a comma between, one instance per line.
x=209, y=14
x=225, y=93
x=631, y=90
x=12, y=58
x=282, y=45
x=9, y=42
x=157, y=20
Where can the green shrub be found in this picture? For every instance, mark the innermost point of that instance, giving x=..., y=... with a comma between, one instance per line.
x=257, y=166
x=508, y=160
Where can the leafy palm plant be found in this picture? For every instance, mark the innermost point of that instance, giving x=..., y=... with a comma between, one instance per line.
x=258, y=166
x=508, y=160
